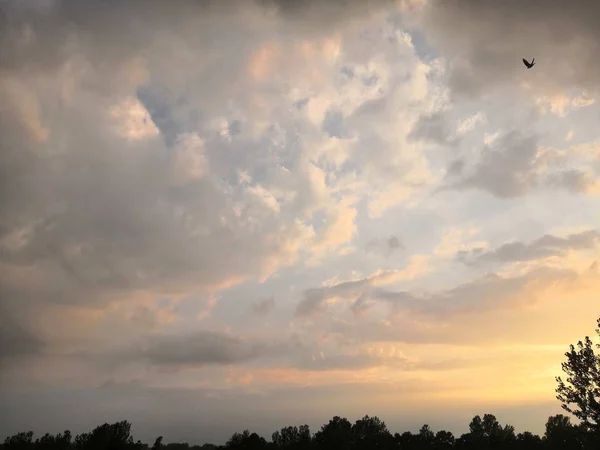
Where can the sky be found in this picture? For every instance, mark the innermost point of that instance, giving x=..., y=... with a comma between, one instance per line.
x=258, y=213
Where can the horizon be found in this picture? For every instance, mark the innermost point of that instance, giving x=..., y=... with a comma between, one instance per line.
x=313, y=431
x=271, y=212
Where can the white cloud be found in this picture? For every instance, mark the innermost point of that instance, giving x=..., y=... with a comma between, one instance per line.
x=561, y=105
x=469, y=123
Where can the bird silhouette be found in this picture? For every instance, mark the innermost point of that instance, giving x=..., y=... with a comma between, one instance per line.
x=529, y=64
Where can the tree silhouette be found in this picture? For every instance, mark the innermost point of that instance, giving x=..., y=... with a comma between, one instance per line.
x=370, y=433
x=58, y=442
x=443, y=440
x=116, y=436
x=426, y=436
x=485, y=433
x=292, y=438
x=20, y=441
x=406, y=440
x=335, y=434
x=528, y=441
x=246, y=441
x=582, y=387
x=561, y=434
x=158, y=443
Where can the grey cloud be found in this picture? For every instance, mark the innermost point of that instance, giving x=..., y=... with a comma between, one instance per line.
x=101, y=216
x=493, y=304
x=101, y=24
x=434, y=128
x=456, y=167
x=314, y=299
x=100, y=219
x=362, y=303
x=16, y=340
x=147, y=317
x=333, y=125
x=264, y=306
x=485, y=41
x=350, y=362
x=494, y=292
x=513, y=166
x=483, y=294
x=574, y=180
x=543, y=247
x=222, y=411
x=505, y=171
x=205, y=347
x=393, y=242
x=377, y=358
x=386, y=246
x=315, y=15
x=312, y=302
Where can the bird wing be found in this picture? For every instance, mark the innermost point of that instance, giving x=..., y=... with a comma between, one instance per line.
x=525, y=62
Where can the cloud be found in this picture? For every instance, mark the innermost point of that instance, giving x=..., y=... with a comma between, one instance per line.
x=264, y=306
x=153, y=317
x=490, y=292
x=203, y=348
x=496, y=308
x=434, y=128
x=133, y=186
x=484, y=59
x=354, y=362
x=16, y=340
x=505, y=171
x=561, y=105
x=155, y=168
x=515, y=164
x=386, y=246
x=470, y=123
x=544, y=247
x=163, y=185
x=358, y=290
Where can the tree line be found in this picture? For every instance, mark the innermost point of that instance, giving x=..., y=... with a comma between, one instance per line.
x=579, y=395
x=339, y=433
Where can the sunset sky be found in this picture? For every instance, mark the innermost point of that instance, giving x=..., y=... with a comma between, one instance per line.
x=219, y=215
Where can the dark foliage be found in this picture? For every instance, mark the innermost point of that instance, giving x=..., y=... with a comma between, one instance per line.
x=368, y=433
x=580, y=394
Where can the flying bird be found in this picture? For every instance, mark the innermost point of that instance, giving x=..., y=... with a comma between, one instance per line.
x=529, y=64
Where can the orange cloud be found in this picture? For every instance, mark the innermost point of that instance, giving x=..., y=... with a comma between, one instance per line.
x=263, y=60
